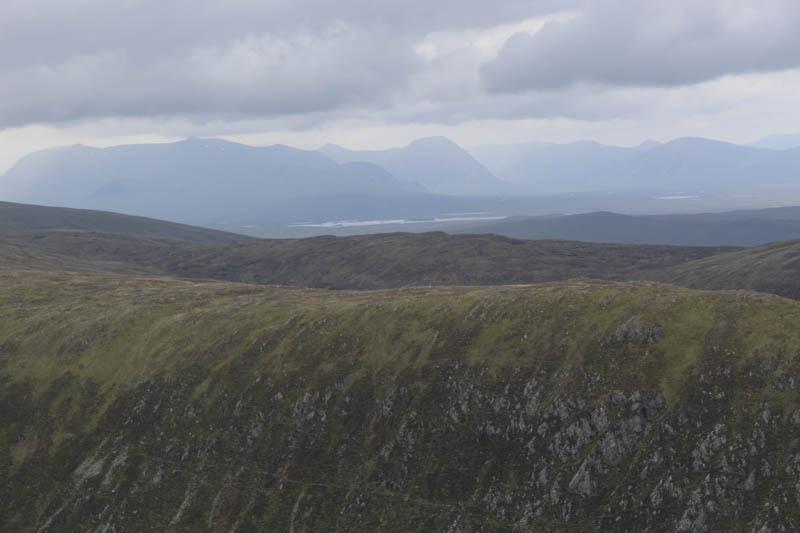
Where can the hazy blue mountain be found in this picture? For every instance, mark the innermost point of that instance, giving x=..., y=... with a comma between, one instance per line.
x=733, y=228
x=646, y=145
x=549, y=168
x=436, y=163
x=693, y=164
x=231, y=186
x=196, y=180
x=682, y=165
x=781, y=141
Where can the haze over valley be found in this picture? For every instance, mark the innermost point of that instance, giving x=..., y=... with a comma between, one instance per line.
x=281, y=191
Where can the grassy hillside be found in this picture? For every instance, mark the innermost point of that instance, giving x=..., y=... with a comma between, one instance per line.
x=149, y=404
x=359, y=262
x=399, y=260
x=25, y=217
x=773, y=268
x=84, y=251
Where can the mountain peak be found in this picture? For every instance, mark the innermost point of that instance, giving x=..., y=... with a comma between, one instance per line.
x=437, y=163
x=208, y=142
x=434, y=142
x=780, y=141
x=646, y=145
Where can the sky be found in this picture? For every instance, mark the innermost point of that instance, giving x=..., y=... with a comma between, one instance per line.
x=379, y=73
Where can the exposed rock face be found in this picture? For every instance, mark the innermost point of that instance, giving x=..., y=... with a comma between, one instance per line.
x=293, y=422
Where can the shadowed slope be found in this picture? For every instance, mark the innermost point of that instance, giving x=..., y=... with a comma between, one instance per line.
x=152, y=404
x=773, y=268
x=361, y=262
x=26, y=217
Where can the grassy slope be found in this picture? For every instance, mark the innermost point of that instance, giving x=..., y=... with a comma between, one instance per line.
x=23, y=217
x=361, y=262
x=144, y=402
x=773, y=268
x=86, y=251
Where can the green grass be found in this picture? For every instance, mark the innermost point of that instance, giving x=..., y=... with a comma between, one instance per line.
x=21, y=451
x=361, y=262
x=120, y=331
x=772, y=268
x=101, y=364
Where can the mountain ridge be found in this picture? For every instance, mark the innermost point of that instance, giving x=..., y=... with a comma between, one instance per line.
x=436, y=163
x=690, y=163
x=194, y=180
x=502, y=408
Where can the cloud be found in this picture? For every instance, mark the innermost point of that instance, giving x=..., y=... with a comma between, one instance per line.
x=93, y=69
x=260, y=74
x=62, y=61
x=651, y=43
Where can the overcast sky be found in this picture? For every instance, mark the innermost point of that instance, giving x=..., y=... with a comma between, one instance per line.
x=373, y=73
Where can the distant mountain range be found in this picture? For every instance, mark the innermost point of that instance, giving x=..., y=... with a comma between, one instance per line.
x=781, y=141
x=684, y=166
x=213, y=182
x=436, y=163
x=199, y=180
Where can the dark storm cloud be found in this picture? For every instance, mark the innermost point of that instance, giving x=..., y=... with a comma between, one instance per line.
x=92, y=58
x=651, y=43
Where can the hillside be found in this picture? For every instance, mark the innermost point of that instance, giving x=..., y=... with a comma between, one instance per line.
x=731, y=228
x=400, y=260
x=200, y=181
x=84, y=251
x=773, y=268
x=359, y=262
x=144, y=404
x=25, y=217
